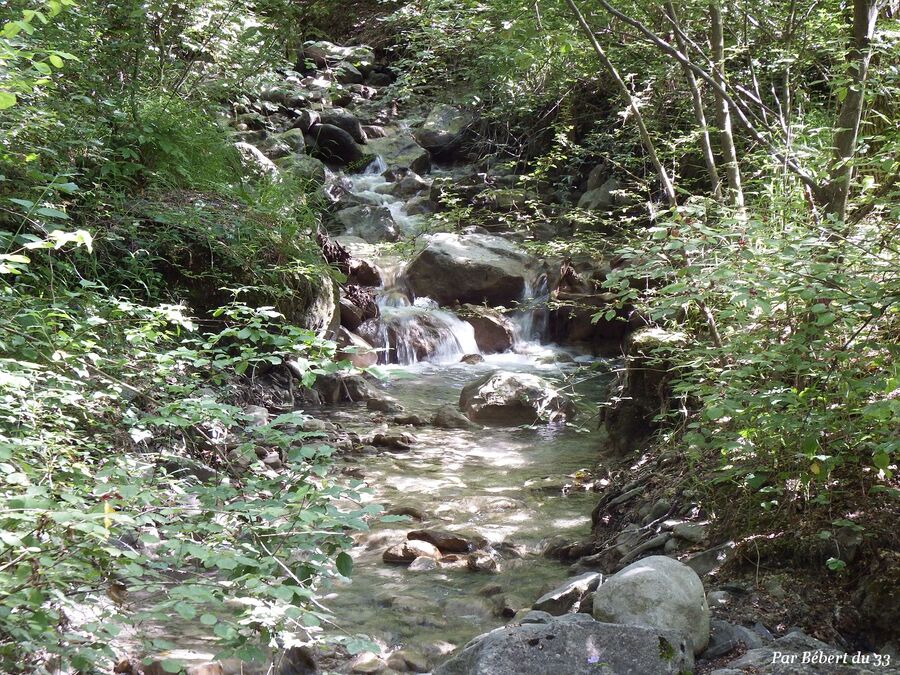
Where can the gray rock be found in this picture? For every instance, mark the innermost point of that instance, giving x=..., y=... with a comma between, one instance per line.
x=423, y=564
x=574, y=645
x=443, y=130
x=409, y=550
x=303, y=167
x=568, y=597
x=786, y=657
x=333, y=145
x=505, y=398
x=711, y=559
x=345, y=120
x=493, y=332
x=659, y=592
x=725, y=637
x=401, y=151
x=658, y=541
x=691, y=532
x=254, y=162
x=408, y=661
x=383, y=403
x=471, y=268
x=601, y=198
x=375, y=224
x=448, y=417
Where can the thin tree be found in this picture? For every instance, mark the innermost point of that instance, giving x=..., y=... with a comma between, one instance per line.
x=723, y=111
x=646, y=139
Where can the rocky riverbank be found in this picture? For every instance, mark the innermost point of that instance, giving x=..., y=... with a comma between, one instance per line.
x=470, y=441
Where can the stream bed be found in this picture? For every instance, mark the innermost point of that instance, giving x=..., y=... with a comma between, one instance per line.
x=515, y=487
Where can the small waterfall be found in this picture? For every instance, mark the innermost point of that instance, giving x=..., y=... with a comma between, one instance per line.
x=532, y=318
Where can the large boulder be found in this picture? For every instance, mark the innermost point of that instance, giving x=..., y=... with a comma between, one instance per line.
x=400, y=151
x=345, y=120
x=658, y=592
x=494, y=332
x=333, y=145
x=372, y=223
x=575, y=645
x=443, y=130
x=323, y=312
x=473, y=268
x=504, y=398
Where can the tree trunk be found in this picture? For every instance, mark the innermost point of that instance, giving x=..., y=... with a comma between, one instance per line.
x=723, y=112
x=846, y=130
x=646, y=140
x=699, y=113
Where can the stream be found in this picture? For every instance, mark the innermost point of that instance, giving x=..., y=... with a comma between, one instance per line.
x=510, y=489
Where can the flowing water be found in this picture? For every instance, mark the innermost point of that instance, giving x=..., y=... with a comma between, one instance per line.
x=514, y=487
x=511, y=488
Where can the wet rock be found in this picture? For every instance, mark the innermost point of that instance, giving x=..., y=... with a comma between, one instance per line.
x=409, y=550
x=574, y=645
x=363, y=273
x=355, y=349
x=567, y=598
x=506, y=398
x=409, y=511
x=725, y=637
x=472, y=268
x=383, y=403
x=374, y=131
x=333, y=145
x=374, y=224
x=448, y=417
x=493, y=332
x=408, y=661
x=307, y=119
x=444, y=130
x=411, y=420
x=472, y=359
x=400, y=151
x=423, y=564
x=406, y=183
x=340, y=388
x=343, y=119
x=367, y=663
x=481, y=561
x=658, y=592
x=351, y=315
x=447, y=542
x=396, y=440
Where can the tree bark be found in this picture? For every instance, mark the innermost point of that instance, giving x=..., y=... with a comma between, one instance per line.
x=846, y=130
x=723, y=113
x=699, y=113
x=646, y=140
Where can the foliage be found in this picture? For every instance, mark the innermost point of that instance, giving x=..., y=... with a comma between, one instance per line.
x=120, y=463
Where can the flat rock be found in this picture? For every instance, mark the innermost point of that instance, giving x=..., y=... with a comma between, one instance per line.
x=447, y=542
x=572, y=645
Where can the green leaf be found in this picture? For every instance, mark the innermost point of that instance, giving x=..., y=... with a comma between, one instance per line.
x=7, y=100
x=208, y=619
x=344, y=564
